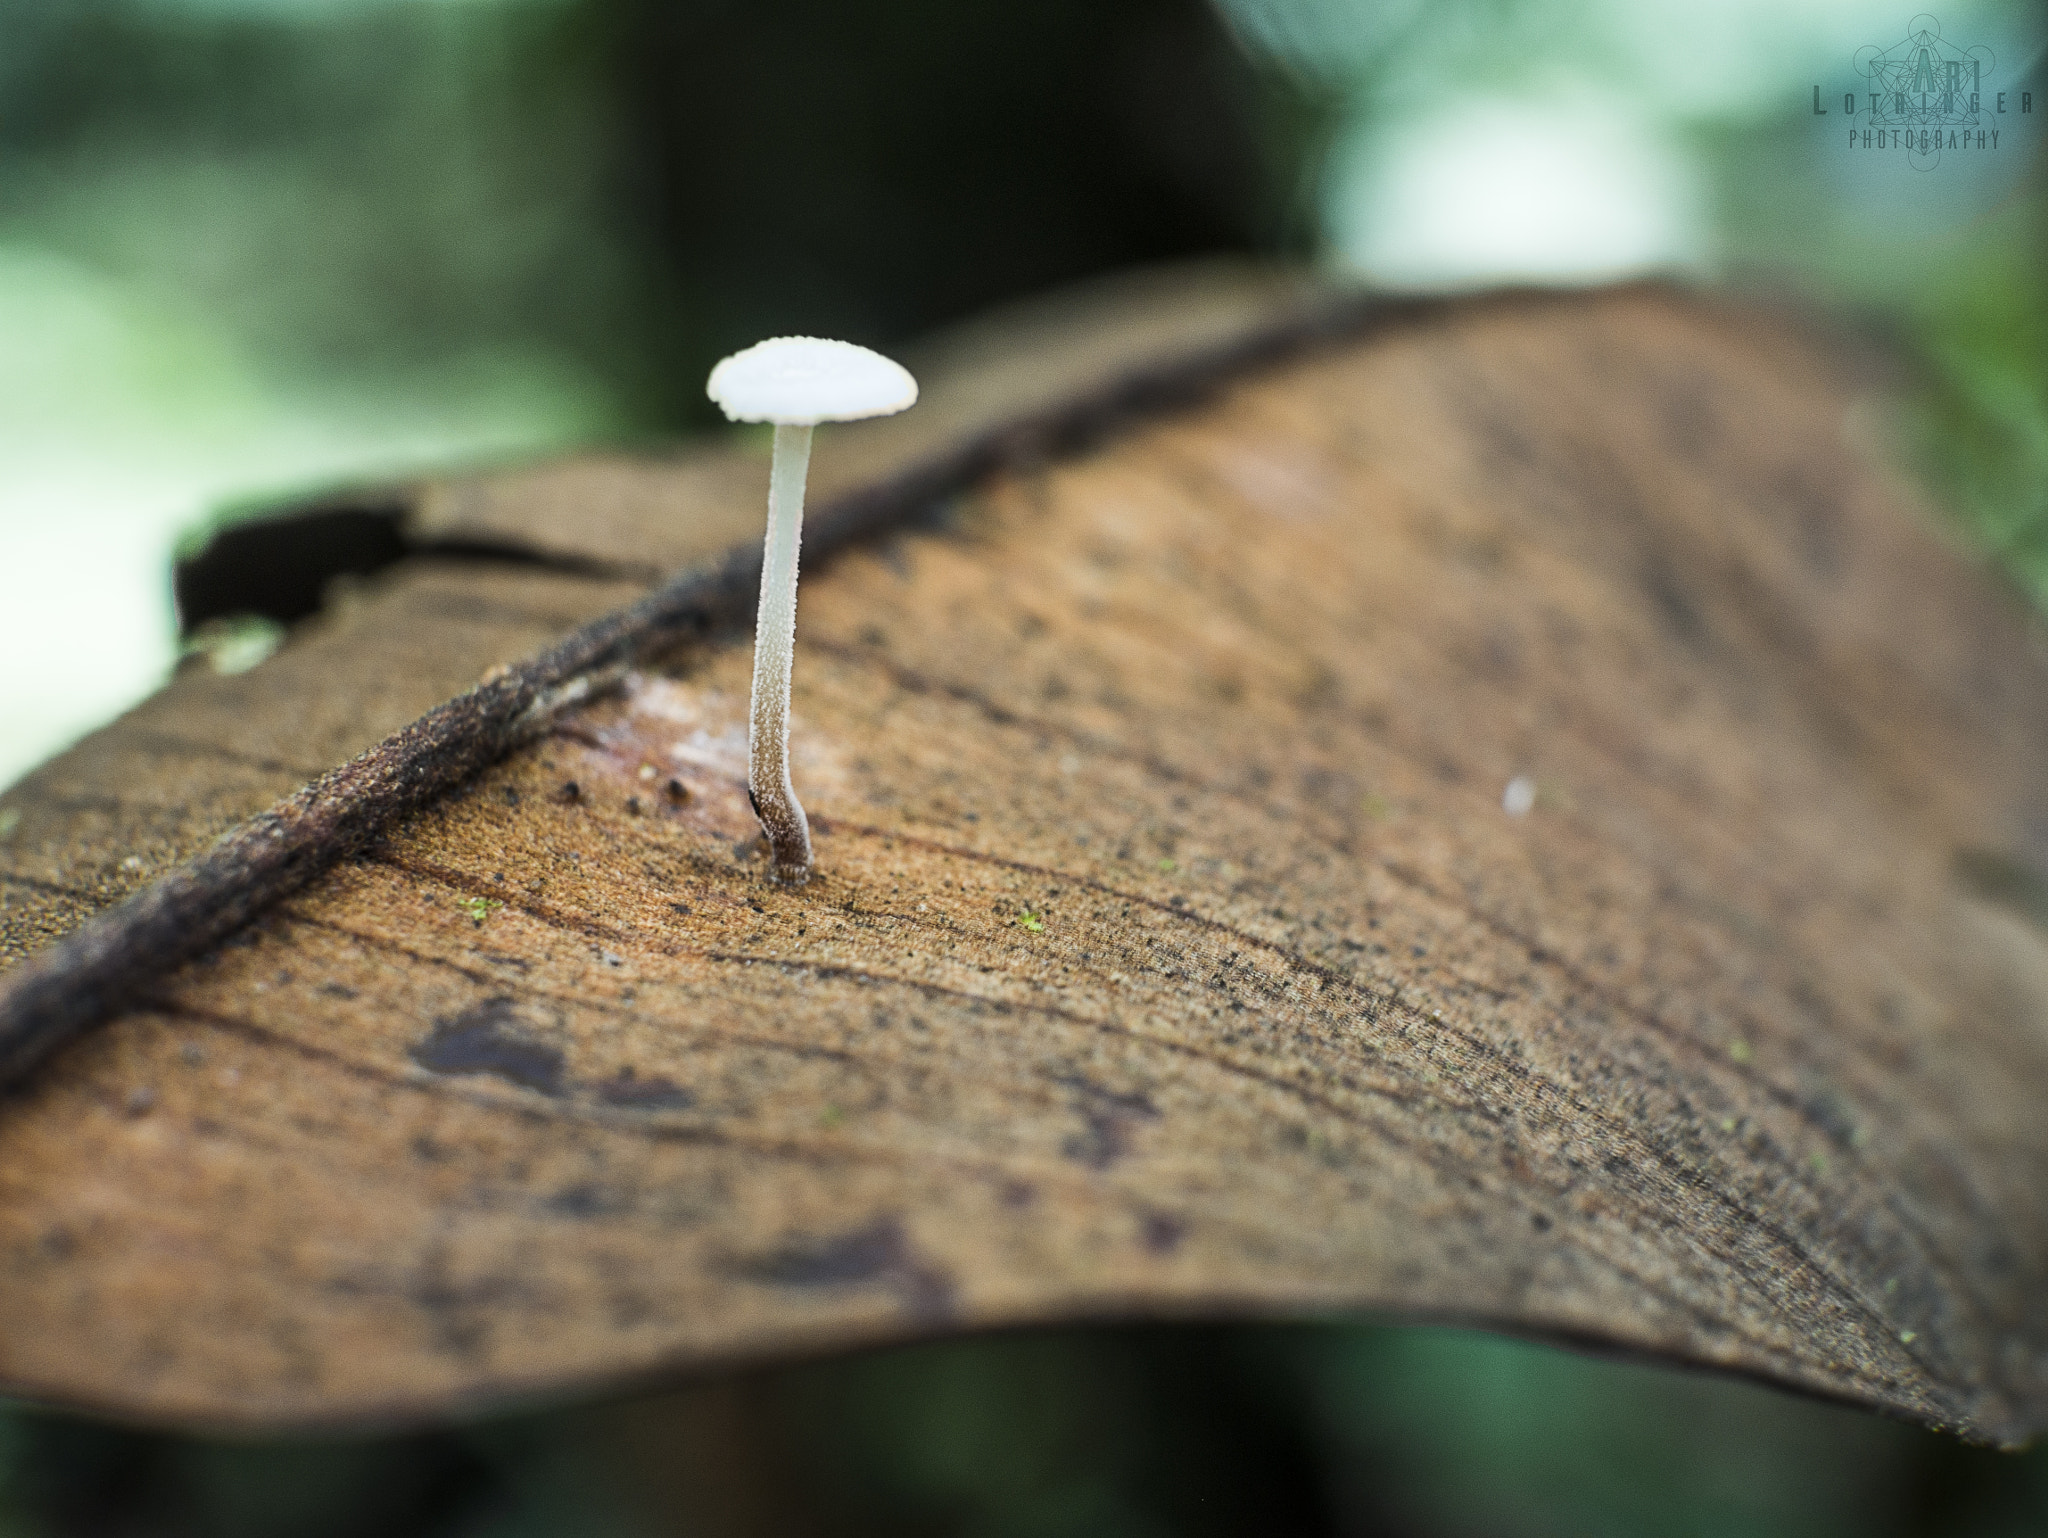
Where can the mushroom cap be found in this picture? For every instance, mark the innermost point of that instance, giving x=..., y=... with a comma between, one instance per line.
x=797, y=380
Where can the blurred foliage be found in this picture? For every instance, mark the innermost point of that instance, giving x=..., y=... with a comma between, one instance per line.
x=1481, y=1435
x=1982, y=418
x=615, y=192
x=392, y=195
x=1148, y=1432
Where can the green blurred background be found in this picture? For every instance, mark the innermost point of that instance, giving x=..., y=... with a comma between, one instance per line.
x=1244, y=1432
x=254, y=248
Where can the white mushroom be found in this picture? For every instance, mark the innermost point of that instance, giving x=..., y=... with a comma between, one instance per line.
x=794, y=382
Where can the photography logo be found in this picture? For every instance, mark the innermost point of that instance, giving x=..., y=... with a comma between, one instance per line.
x=1924, y=95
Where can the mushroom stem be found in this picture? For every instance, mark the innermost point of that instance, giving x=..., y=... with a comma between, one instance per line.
x=794, y=382
x=775, y=803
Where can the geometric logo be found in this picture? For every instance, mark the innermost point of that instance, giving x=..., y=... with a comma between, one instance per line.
x=1925, y=95
x=1924, y=82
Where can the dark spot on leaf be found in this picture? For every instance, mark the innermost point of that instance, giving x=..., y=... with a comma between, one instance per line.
x=863, y=1255
x=1817, y=520
x=459, y=1313
x=1674, y=607
x=1162, y=1232
x=1689, y=422
x=879, y=1254
x=629, y=1309
x=1109, y=1117
x=1835, y=1117
x=585, y=1201
x=487, y=1039
x=653, y=1093
x=2004, y=880
x=1500, y=658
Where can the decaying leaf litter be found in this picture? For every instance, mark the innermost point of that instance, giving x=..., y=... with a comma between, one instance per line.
x=1171, y=951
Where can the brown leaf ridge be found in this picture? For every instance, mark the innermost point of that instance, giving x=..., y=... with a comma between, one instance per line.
x=1172, y=951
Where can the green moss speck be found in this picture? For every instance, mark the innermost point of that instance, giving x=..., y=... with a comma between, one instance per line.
x=479, y=908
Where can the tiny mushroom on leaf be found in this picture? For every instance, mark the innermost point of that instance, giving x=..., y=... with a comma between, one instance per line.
x=794, y=382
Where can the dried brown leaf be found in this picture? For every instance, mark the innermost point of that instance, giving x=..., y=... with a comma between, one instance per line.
x=1172, y=951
